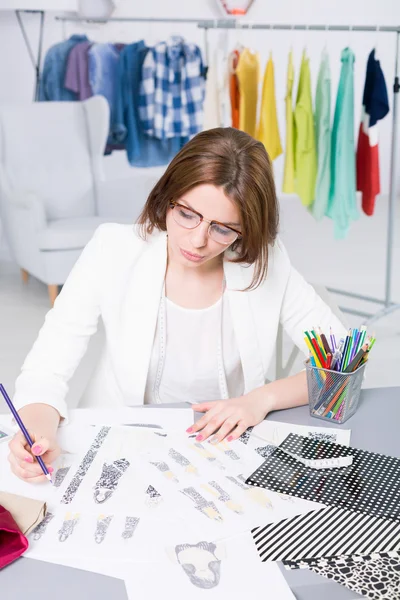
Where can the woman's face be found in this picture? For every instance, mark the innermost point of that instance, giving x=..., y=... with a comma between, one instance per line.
x=194, y=247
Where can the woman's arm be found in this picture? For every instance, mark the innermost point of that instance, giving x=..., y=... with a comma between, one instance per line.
x=64, y=337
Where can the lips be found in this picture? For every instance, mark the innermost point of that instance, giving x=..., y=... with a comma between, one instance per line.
x=191, y=256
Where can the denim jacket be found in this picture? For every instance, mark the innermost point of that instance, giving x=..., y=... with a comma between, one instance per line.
x=53, y=75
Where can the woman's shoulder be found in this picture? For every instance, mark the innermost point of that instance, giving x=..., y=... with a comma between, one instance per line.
x=117, y=239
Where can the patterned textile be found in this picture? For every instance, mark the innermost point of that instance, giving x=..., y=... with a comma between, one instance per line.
x=172, y=90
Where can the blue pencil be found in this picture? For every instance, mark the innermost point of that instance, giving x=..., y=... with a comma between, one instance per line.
x=23, y=429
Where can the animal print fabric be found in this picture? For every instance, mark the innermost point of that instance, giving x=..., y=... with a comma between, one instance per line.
x=376, y=576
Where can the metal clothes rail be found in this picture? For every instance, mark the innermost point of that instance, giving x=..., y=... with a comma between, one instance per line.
x=388, y=306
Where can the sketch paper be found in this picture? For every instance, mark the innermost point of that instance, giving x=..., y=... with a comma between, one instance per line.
x=200, y=567
x=172, y=419
x=68, y=533
x=205, y=482
x=274, y=432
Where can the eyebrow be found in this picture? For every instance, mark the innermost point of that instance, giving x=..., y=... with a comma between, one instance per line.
x=229, y=223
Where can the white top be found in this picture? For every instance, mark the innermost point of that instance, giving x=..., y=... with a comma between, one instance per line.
x=119, y=278
x=192, y=338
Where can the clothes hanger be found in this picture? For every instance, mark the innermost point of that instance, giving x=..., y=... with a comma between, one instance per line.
x=307, y=29
x=239, y=46
x=325, y=48
x=376, y=42
x=251, y=49
x=350, y=36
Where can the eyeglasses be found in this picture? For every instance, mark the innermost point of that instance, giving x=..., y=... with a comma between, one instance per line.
x=190, y=219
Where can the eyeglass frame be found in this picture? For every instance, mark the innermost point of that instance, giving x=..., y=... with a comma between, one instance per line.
x=174, y=203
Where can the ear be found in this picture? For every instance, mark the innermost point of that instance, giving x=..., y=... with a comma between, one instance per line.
x=220, y=550
x=171, y=554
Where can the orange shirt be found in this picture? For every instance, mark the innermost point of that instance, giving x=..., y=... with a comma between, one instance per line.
x=234, y=88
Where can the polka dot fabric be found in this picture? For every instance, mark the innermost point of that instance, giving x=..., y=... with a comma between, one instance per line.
x=371, y=485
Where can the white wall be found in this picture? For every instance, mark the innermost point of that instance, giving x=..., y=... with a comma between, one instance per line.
x=17, y=77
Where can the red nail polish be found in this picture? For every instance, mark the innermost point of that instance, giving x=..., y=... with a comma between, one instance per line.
x=199, y=438
x=37, y=449
x=29, y=459
x=189, y=430
x=230, y=438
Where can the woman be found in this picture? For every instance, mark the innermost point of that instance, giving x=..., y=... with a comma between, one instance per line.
x=191, y=299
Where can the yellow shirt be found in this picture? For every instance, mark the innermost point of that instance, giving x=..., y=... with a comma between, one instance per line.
x=268, y=128
x=305, y=145
x=288, y=174
x=248, y=71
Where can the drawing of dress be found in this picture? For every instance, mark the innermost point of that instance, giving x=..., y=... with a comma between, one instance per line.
x=207, y=454
x=216, y=490
x=265, y=451
x=244, y=438
x=208, y=509
x=224, y=447
x=183, y=461
x=109, y=479
x=102, y=525
x=60, y=476
x=201, y=563
x=130, y=526
x=40, y=529
x=163, y=467
x=153, y=498
x=256, y=494
x=68, y=526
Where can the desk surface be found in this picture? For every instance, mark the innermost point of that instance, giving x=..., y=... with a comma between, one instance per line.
x=372, y=429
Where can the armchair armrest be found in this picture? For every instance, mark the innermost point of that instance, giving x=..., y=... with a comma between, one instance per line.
x=23, y=217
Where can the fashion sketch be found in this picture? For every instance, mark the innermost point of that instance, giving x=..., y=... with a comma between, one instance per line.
x=102, y=525
x=201, y=562
x=208, y=509
x=109, y=479
x=68, y=526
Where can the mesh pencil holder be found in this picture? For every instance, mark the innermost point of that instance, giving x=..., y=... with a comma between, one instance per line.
x=333, y=396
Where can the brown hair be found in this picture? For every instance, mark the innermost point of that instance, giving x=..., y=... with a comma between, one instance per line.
x=236, y=162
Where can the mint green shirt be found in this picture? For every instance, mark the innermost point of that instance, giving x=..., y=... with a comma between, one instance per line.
x=322, y=119
x=342, y=197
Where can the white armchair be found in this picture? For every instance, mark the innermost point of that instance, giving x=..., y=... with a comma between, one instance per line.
x=51, y=196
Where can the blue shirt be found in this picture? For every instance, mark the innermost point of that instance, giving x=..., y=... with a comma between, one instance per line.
x=53, y=74
x=102, y=68
x=142, y=150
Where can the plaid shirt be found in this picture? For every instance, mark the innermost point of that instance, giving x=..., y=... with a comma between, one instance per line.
x=172, y=90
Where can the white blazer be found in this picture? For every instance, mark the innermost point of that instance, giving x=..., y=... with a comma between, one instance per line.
x=119, y=277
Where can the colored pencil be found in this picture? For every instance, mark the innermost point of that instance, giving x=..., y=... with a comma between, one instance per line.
x=356, y=360
x=319, y=353
x=325, y=344
x=24, y=430
x=333, y=340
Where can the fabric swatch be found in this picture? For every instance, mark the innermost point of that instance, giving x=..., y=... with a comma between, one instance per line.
x=376, y=577
x=329, y=532
x=371, y=485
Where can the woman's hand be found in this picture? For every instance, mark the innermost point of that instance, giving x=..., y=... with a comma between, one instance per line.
x=231, y=417
x=21, y=457
x=41, y=422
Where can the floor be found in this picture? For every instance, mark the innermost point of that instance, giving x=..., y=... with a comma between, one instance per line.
x=356, y=264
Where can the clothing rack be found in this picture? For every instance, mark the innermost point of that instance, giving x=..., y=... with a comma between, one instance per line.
x=388, y=306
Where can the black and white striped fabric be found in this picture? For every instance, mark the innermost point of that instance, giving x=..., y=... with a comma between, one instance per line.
x=326, y=533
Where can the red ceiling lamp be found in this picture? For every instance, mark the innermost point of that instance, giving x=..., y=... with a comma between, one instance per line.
x=235, y=8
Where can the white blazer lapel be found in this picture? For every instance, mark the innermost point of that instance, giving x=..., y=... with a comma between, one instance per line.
x=238, y=278
x=138, y=320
